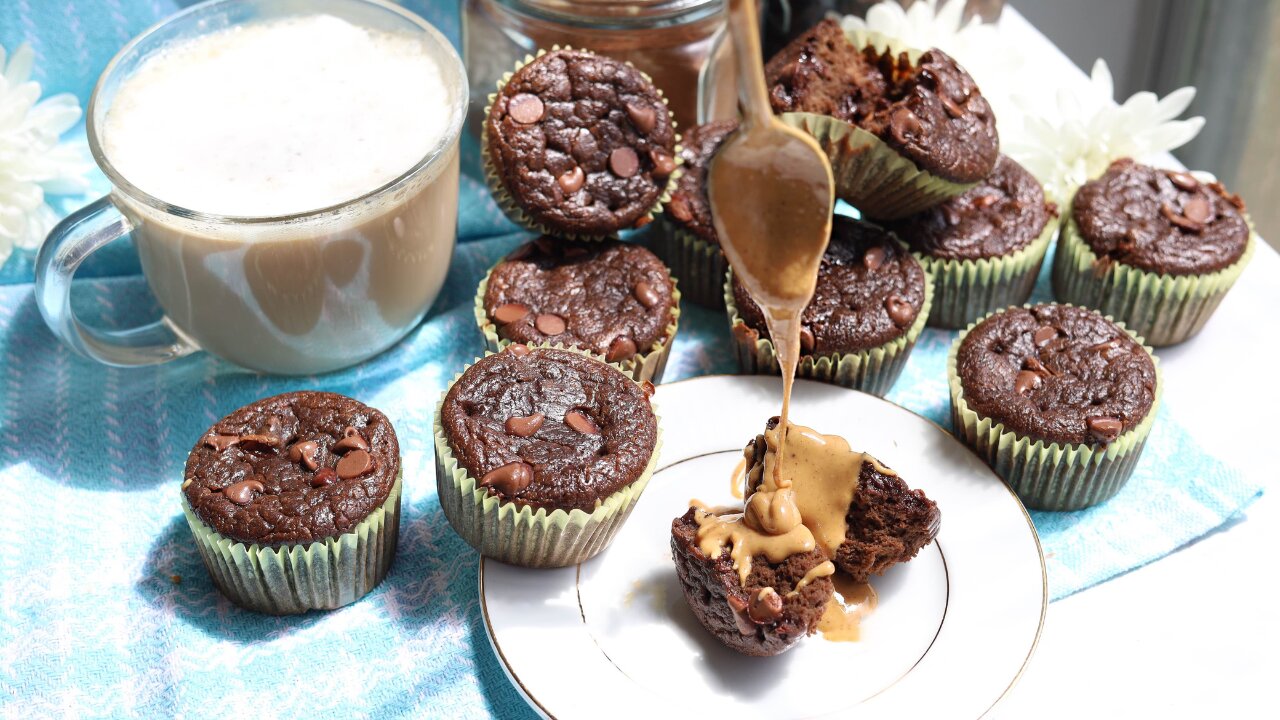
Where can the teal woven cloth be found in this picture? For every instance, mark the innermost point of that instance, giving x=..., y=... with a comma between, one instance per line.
x=105, y=608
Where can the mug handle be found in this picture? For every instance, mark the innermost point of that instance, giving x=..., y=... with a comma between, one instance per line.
x=69, y=243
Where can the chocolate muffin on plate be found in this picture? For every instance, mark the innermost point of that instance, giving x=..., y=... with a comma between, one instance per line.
x=579, y=145
x=1058, y=399
x=869, y=307
x=904, y=130
x=541, y=453
x=614, y=299
x=687, y=239
x=1157, y=249
x=294, y=501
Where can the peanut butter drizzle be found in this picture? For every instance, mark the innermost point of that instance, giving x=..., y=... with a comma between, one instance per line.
x=738, y=480
x=826, y=568
x=842, y=619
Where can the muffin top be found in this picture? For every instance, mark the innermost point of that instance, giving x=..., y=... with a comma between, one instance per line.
x=584, y=144
x=930, y=111
x=1161, y=221
x=1057, y=373
x=689, y=207
x=293, y=468
x=869, y=292
x=999, y=216
x=549, y=428
x=609, y=297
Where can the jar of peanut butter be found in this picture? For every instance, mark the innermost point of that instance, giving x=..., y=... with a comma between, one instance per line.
x=677, y=42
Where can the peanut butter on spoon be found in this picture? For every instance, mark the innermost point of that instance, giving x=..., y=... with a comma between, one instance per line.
x=772, y=195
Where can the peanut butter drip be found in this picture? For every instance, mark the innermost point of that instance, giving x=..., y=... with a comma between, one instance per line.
x=826, y=568
x=793, y=510
x=853, y=601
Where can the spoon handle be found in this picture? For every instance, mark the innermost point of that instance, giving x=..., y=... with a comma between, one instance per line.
x=752, y=93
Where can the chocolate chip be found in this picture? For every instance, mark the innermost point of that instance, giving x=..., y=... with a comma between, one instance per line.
x=1026, y=382
x=645, y=293
x=663, y=163
x=873, y=258
x=525, y=109
x=900, y=310
x=509, y=313
x=571, y=182
x=524, y=426
x=1106, y=345
x=642, y=116
x=581, y=423
x=1184, y=181
x=323, y=476
x=679, y=209
x=518, y=349
x=1044, y=336
x=623, y=162
x=261, y=442
x=648, y=388
x=1197, y=209
x=621, y=348
x=766, y=606
x=508, y=479
x=305, y=453
x=951, y=107
x=354, y=464
x=807, y=340
x=1179, y=219
x=549, y=324
x=351, y=440
x=221, y=442
x=985, y=201
x=902, y=123
x=1104, y=428
x=273, y=427
x=242, y=492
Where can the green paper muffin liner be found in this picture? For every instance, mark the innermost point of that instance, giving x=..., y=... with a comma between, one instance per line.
x=872, y=371
x=640, y=367
x=1164, y=309
x=517, y=534
x=965, y=290
x=696, y=263
x=1049, y=475
x=515, y=212
x=294, y=578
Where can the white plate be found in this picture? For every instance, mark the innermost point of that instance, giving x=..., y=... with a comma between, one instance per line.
x=614, y=638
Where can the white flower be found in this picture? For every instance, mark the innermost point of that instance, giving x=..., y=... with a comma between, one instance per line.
x=1076, y=138
x=995, y=62
x=32, y=160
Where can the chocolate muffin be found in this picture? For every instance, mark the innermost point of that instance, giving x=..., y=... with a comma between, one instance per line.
x=614, y=299
x=761, y=617
x=1158, y=249
x=1058, y=398
x=983, y=247
x=304, y=469
x=888, y=522
x=868, y=308
x=579, y=144
x=929, y=110
x=541, y=453
x=688, y=241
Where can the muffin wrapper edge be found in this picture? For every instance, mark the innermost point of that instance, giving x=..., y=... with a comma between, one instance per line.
x=294, y=578
x=516, y=213
x=1164, y=309
x=965, y=290
x=1049, y=475
x=696, y=263
x=519, y=535
x=872, y=371
x=640, y=367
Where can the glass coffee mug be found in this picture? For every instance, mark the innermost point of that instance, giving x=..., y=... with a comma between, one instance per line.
x=296, y=294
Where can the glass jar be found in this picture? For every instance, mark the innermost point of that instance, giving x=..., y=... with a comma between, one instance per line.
x=677, y=42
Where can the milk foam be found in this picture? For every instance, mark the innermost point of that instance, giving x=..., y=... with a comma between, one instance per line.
x=277, y=117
